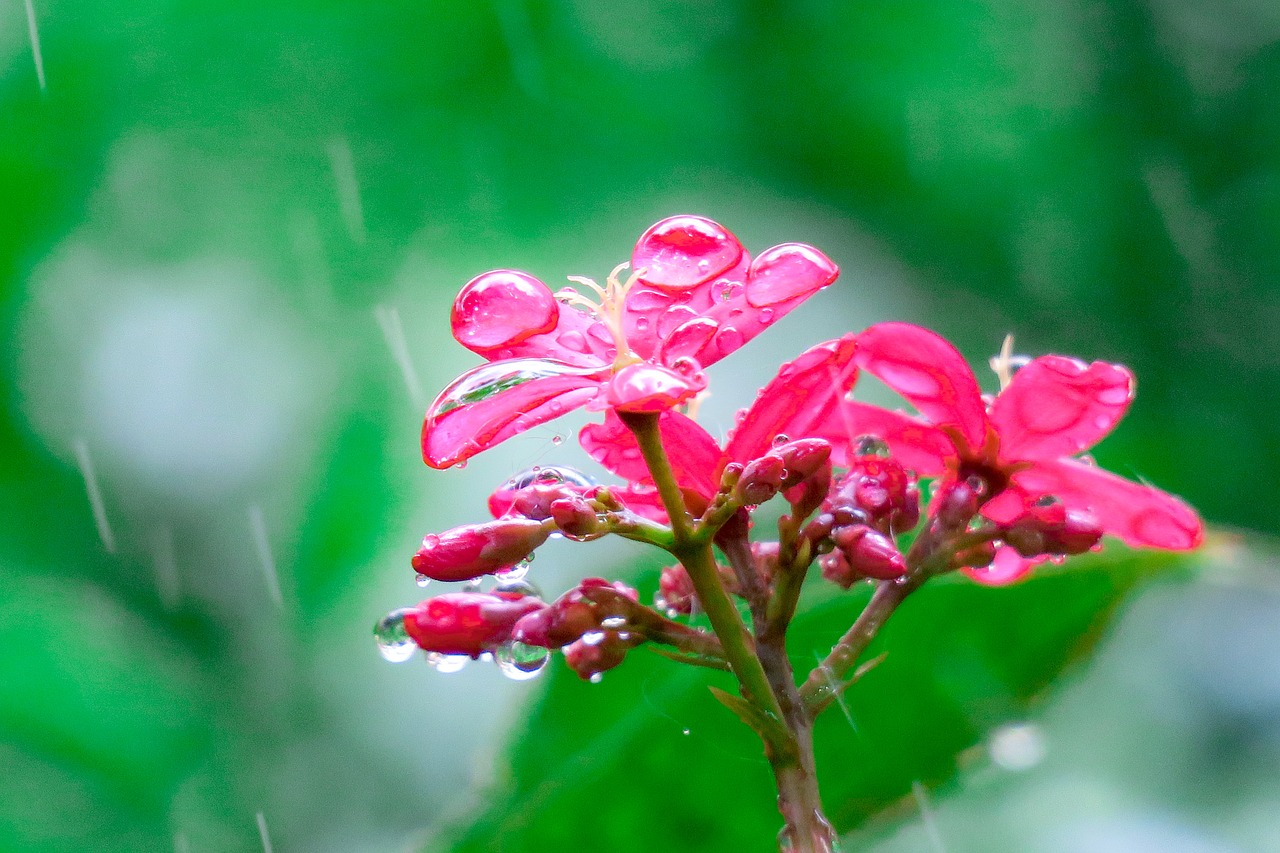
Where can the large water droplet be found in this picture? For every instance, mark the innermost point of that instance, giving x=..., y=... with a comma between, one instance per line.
x=489, y=380
x=786, y=272
x=574, y=340
x=519, y=587
x=515, y=573
x=727, y=290
x=503, y=308
x=688, y=339
x=422, y=581
x=681, y=252
x=672, y=319
x=549, y=475
x=728, y=340
x=521, y=662
x=394, y=642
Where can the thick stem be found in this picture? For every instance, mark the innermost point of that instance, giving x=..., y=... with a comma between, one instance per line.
x=805, y=828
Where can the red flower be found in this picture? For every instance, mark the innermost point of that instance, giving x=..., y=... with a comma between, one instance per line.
x=1022, y=446
x=695, y=295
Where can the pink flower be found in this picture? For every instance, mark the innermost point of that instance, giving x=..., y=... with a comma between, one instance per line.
x=800, y=404
x=694, y=296
x=1022, y=446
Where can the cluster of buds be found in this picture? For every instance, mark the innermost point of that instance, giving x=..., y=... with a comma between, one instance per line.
x=1047, y=527
x=874, y=500
x=676, y=595
x=787, y=465
x=590, y=623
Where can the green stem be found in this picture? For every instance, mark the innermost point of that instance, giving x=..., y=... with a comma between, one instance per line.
x=699, y=562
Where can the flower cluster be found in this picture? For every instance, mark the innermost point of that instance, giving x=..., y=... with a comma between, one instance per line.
x=1008, y=485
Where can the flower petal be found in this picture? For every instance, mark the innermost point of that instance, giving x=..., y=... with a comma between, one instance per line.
x=1008, y=567
x=915, y=444
x=492, y=402
x=1057, y=406
x=1141, y=515
x=507, y=314
x=802, y=401
x=928, y=371
x=694, y=455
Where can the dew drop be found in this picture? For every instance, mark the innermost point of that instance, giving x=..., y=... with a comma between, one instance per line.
x=447, y=663
x=549, y=475
x=642, y=324
x=461, y=465
x=394, y=642
x=471, y=586
x=593, y=638
x=765, y=316
x=727, y=290
x=781, y=439
x=1047, y=500
x=596, y=677
x=520, y=587
x=515, y=573
x=557, y=439
x=685, y=731
x=978, y=485
x=422, y=580
x=521, y=662
x=871, y=445
x=613, y=622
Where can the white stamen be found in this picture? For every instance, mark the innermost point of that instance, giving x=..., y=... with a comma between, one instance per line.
x=258, y=526
x=95, y=496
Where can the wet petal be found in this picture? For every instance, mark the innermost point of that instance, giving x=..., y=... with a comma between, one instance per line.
x=1140, y=515
x=694, y=455
x=916, y=445
x=681, y=252
x=1009, y=566
x=507, y=314
x=645, y=387
x=650, y=315
x=1057, y=406
x=930, y=373
x=802, y=401
x=491, y=403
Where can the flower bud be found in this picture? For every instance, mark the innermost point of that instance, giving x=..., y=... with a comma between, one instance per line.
x=576, y=518
x=803, y=458
x=471, y=550
x=595, y=654
x=977, y=557
x=869, y=552
x=574, y=614
x=761, y=480
x=468, y=623
x=675, y=591
x=957, y=506
x=876, y=491
x=1051, y=528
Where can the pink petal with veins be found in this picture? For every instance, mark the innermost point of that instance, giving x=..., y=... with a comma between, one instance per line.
x=915, y=444
x=1140, y=515
x=1008, y=567
x=1058, y=406
x=492, y=402
x=802, y=401
x=929, y=372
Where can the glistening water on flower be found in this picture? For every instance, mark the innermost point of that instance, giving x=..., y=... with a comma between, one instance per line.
x=1008, y=488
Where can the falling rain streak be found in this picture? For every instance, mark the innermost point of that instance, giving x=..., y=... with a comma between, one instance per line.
x=393, y=331
x=34, y=32
x=837, y=692
x=926, y=816
x=95, y=496
x=180, y=844
x=164, y=558
x=344, y=177
x=258, y=525
x=263, y=833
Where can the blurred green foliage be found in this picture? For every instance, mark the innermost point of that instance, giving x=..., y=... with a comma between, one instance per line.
x=216, y=216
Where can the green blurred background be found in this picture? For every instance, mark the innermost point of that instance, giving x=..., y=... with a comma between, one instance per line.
x=229, y=237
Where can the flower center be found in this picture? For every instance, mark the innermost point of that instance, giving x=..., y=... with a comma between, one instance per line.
x=607, y=308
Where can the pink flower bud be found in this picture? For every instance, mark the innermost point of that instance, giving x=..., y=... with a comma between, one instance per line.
x=803, y=458
x=876, y=491
x=467, y=552
x=468, y=623
x=575, y=614
x=576, y=518
x=590, y=659
x=869, y=552
x=675, y=590
x=1052, y=529
x=761, y=479
x=957, y=505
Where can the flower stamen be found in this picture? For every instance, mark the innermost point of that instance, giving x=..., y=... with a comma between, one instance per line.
x=609, y=309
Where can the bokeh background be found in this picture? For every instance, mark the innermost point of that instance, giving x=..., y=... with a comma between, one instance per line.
x=230, y=234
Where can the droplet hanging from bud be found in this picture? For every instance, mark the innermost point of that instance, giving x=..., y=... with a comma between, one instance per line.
x=394, y=642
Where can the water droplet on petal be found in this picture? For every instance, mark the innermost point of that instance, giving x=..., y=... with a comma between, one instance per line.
x=728, y=340
x=521, y=662
x=447, y=663
x=422, y=580
x=681, y=252
x=781, y=439
x=642, y=324
x=871, y=445
x=548, y=475
x=394, y=642
x=727, y=290
x=502, y=308
x=786, y=272
x=574, y=340
x=765, y=316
